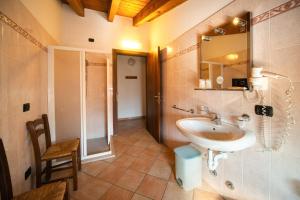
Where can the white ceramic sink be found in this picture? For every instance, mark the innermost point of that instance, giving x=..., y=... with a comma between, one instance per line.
x=207, y=134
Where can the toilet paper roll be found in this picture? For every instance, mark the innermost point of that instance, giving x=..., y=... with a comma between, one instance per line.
x=202, y=83
x=256, y=72
x=208, y=84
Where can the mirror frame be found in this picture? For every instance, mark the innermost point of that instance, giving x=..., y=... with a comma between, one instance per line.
x=229, y=26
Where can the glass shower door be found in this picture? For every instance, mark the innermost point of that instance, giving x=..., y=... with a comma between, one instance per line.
x=96, y=70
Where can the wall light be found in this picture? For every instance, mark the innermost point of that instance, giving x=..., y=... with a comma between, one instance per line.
x=232, y=56
x=206, y=38
x=240, y=22
x=219, y=31
x=169, y=49
x=236, y=21
x=131, y=44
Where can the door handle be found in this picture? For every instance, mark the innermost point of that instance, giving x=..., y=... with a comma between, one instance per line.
x=157, y=98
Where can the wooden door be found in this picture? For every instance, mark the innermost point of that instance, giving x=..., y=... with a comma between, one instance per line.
x=153, y=93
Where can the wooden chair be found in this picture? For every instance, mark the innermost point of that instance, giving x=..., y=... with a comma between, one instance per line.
x=65, y=150
x=53, y=191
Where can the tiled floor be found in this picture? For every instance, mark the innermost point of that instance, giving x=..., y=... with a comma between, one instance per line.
x=141, y=170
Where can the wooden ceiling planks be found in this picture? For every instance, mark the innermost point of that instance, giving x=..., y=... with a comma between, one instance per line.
x=154, y=9
x=130, y=8
x=77, y=6
x=99, y=5
x=140, y=10
x=113, y=9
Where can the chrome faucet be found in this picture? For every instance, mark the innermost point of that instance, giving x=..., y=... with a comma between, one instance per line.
x=204, y=111
x=216, y=118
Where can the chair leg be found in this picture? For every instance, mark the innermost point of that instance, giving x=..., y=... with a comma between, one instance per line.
x=48, y=170
x=67, y=195
x=38, y=171
x=79, y=156
x=74, y=164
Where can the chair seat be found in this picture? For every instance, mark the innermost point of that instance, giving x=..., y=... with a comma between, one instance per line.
x=53, y=191
x=60, y=150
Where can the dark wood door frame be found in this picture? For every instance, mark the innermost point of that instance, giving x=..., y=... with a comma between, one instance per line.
x=115, y=53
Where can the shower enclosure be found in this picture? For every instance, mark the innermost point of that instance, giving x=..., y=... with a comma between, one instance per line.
x=80, y=98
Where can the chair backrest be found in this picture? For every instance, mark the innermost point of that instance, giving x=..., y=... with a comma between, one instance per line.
x=37, y=128
x=5, y=181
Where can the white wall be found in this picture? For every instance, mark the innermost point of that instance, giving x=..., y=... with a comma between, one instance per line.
x=76, y=30
x=171, y=25
x=48, y=13
x=131, y=92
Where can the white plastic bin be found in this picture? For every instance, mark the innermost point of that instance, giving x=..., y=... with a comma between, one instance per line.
x=188, y=167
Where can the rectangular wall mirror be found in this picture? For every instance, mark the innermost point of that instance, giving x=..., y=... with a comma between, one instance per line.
x=225, y=62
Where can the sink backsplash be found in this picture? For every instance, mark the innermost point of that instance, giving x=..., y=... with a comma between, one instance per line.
x=256, y=174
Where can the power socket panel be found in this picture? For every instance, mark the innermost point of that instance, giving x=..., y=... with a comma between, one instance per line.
x=264, y=110
x=27, y=173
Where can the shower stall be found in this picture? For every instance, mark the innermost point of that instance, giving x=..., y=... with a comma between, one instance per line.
x=80, y=98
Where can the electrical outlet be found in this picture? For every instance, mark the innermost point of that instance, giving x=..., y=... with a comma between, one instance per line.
x=264, y=110
x=27, y=173
x=26, y=107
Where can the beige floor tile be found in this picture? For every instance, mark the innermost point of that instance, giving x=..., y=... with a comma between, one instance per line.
x=110, y=160
x=200, y=195
x=131, y=180
x=93, y=190
x=152, y=187
x=116, y=193
x=172, y=177
x=142, y=143
x=167, y=156
x=161, y=169
x=134, y=151
x=123, y=161
x=150, y=153
x=94, y=168
x=155, y=147
x=139, y=197
x=83, y=179
x=174, y=192
x=141, y=165
x=112, y=174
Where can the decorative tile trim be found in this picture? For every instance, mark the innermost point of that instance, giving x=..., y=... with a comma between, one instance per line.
x=21, y=31
x=255, y=20
x=276, y=11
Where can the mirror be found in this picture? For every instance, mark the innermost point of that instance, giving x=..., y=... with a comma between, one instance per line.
x=225, y=55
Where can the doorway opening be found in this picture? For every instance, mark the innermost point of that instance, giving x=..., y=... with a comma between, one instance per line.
x=129, y=75
x=151, y=85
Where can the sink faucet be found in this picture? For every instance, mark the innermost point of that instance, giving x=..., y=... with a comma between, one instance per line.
x=216, y=118
x=204, y=111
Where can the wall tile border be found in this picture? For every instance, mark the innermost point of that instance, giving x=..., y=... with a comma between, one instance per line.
x=6, y=20
x=276, y=11
x=289, y=5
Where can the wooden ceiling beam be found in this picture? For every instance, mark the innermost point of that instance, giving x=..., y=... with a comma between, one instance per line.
x=77, y=6
x=113, y=9
x=154, y=9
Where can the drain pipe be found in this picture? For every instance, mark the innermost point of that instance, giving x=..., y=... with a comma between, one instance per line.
x=213, y=159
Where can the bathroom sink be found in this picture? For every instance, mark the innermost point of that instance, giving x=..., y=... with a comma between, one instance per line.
x=206, y=133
